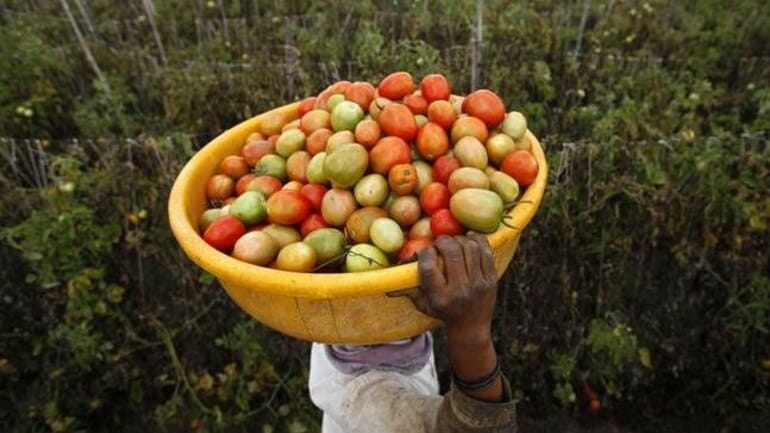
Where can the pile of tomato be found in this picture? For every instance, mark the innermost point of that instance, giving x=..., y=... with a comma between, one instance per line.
x=368, y=176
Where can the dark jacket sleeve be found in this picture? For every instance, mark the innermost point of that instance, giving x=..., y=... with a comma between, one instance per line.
x=460, y=413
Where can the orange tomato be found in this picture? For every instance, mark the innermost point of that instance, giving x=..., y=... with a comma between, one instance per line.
x=397, y=120
x=402, y=179
x=316, y=142
x=388, y=152
x=442, y=113
x=367, y=133
x=469, y=125
x=234, y=166
x=431, y=141
x=360, y=92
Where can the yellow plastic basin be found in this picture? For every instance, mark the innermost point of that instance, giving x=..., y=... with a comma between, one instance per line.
x=341, y=308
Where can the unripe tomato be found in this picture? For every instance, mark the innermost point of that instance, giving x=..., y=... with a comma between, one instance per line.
x=220, y=187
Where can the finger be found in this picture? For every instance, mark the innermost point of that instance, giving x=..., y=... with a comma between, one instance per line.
x=431, y=277
x=486, y=256
x=454, y=262
x=472, y=256
x=420, y=301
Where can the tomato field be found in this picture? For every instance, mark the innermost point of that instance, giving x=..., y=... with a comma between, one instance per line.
x=639, y=298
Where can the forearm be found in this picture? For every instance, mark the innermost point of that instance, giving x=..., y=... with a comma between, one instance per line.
x=473, y=357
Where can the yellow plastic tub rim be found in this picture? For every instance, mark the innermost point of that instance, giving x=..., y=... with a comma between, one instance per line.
x=251, y=286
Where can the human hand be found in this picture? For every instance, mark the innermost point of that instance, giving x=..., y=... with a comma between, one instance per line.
x=463, y=295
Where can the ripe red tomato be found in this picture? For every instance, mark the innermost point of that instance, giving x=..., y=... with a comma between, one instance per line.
x=416, y=103
x=315, y=193
x=397, y=120
x=443, y=168
x=435, y=87
x=434, y=197
x=520, y=165
x=288, y=207
x=485, y=105
x=312, y=222
x=388, y=152
x=396, y=85
x=444, y=223
x=223, y=232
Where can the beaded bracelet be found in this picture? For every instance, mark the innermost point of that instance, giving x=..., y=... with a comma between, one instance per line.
x=481, y=384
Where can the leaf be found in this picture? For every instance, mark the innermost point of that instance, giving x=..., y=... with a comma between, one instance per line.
x=644, y=357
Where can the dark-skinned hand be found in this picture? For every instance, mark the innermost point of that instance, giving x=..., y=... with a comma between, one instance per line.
x=463, y=295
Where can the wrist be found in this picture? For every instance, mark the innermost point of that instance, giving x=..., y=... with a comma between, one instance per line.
x=469, y=336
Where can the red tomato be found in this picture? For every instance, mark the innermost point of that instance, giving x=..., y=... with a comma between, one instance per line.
x=314, y=192
x=411, y=248
x=435, y=87
x=520, y=165
x=434, y=197
x=416, y=103
x=312, y=222
x=485, y=105
x=288, y=207
x=223, y=232
x=443, y=168
x=397, y=120
x=444, y=223
x=396, y=85
x=388, y=152
x=234, y=166
x=306, y=105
